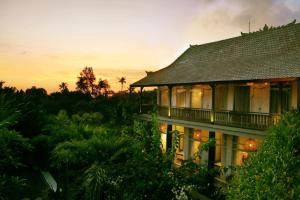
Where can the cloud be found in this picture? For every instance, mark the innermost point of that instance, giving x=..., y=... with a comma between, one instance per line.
x=218, y=20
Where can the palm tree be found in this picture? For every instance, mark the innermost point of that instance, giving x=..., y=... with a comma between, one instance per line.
x=63, y=87
x=122, y=80
x=103, y=86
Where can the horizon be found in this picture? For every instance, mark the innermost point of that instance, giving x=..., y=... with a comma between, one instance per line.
x=44, y=43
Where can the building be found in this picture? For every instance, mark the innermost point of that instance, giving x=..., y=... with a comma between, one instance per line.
x=231, y=90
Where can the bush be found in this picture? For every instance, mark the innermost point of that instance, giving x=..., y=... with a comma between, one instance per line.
x=273, y=172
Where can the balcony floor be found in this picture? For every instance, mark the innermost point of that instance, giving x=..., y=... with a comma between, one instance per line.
x=209, y=126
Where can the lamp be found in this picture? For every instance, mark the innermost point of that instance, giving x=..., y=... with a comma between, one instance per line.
x=197, y=134
x=163, y=128
x=250, y=145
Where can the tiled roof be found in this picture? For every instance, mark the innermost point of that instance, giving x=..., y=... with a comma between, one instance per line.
x=262, y=55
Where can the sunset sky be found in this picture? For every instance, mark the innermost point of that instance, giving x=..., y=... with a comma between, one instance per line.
x=45, y=42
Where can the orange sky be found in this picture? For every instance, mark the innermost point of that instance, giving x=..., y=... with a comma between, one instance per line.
x=45, y=42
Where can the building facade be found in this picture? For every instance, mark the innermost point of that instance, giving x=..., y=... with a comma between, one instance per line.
x=231, y=91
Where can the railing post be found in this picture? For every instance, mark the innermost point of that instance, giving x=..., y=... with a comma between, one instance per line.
x=170, y=100
x=141, y=99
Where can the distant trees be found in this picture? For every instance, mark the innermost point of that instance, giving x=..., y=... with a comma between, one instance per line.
x=1, y=84
x=122, y=81
x=103, y=87
x=63, y=87
x=86, y=81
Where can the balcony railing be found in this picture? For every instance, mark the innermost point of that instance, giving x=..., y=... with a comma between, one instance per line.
x=260, y=121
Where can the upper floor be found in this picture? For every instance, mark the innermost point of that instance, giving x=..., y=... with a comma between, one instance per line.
x=253, y=105
x=246, y=81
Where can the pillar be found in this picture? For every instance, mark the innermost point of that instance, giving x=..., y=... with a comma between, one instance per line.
x=211, y=161
x=186, y=148
x=141, y=99
x=169, y=138
x=170, y=100
x=228, y=152
x=211, y=151
x=213, y=94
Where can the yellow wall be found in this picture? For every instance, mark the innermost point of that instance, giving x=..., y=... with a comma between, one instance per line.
x=240, y=151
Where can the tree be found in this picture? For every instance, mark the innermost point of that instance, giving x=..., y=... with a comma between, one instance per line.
x=1, y=84
x=273, y=172
x=122, y=80
x=103, y=86
x=86, y=81
x=63, y=87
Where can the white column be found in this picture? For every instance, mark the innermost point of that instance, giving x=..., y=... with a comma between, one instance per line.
x=186, y=148
x=228, y=157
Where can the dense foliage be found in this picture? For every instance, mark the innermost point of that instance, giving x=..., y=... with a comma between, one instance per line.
x=273, y=172
x=94, y=146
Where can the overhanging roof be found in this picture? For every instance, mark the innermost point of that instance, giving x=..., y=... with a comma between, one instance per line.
x=269, y=54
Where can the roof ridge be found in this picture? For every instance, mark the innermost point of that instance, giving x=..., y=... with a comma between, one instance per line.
x=256, y=33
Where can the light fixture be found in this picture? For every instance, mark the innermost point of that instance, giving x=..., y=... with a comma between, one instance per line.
x=197, y=134
x=250, y=145
x=163, y=128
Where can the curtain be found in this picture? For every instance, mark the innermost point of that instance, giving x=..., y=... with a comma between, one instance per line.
x=242, y=98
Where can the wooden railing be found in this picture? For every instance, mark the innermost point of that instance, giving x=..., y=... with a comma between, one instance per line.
x=249, y=120
x=245, y=120
x=200, y=115
x=163, y=111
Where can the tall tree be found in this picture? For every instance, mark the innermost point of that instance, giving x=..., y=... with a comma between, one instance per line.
x=63, y=87
x=122, y=80
x=86, y=81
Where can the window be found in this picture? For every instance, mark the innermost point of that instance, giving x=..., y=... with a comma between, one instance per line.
x=164, y=97
x=221, y=97
x=280, y=99
x=180, y=98
x=196, y=100
x=241, y=98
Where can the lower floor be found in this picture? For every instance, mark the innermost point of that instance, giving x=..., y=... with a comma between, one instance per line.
x=229, y=149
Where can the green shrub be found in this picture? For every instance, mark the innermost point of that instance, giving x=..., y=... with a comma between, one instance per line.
x=273, y=172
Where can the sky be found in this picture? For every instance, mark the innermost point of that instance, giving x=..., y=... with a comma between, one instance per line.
x=46, y=42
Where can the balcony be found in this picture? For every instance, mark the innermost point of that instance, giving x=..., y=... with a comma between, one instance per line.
x=259, y=121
